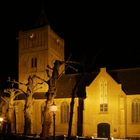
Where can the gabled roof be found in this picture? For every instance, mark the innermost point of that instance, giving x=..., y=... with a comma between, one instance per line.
x=67, y=83
x=128, y=78
x=42, y=19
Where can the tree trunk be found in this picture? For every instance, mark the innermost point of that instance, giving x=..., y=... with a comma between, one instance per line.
x=72, y=108
x=46, y=120
x=28, y=115
x=46, y=114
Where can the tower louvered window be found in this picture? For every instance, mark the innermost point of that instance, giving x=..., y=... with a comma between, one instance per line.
x=34, y=62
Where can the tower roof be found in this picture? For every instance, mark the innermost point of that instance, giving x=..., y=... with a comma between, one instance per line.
x=42, y=19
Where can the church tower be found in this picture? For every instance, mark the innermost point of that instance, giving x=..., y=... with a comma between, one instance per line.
x=38, y=48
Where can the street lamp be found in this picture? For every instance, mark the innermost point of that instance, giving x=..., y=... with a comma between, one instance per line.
x=53, y=109
x=1, y=119
x=1, y=123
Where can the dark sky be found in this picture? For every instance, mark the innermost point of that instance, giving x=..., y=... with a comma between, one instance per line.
x=95, y=34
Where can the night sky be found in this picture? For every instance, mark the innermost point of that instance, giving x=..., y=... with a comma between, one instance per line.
x=96, y=34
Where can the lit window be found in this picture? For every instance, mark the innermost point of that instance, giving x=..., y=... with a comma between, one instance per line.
x=64, y=112
x=136, y=111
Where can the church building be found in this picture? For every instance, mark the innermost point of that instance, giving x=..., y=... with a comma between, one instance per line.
x=106, y=103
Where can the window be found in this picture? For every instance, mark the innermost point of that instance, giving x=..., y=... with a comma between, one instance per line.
x=103, y=96
x=34, y=62
x=136, y=111
x=103, y=107
x=64, y=112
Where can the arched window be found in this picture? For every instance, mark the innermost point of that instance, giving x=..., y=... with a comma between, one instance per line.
x=34, y=62
x=64, y=112
x=136, y=111
x=103, y=96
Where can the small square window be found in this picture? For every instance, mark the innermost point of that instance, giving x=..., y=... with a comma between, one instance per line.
x=104, y=107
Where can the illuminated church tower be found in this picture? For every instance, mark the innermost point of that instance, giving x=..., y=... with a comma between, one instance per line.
x=38, y=48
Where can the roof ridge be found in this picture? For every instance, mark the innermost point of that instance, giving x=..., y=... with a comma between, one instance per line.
x=125, y=69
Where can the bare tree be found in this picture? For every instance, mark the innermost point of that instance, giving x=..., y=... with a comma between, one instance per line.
x=31, y=88
x=50, y=95
x=28, y=108
x=10, y=111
